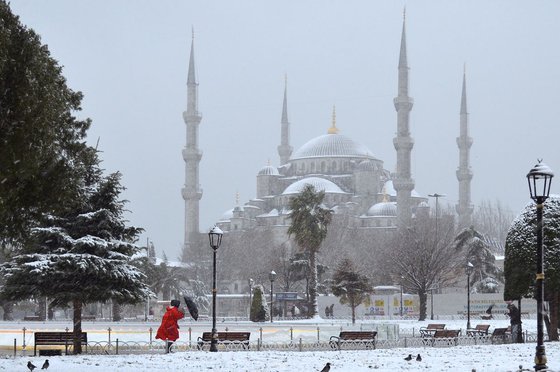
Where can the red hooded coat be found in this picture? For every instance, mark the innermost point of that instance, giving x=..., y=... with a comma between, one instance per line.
x=169, y=329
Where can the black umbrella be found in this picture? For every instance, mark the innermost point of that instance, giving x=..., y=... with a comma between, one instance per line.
x=193, y=310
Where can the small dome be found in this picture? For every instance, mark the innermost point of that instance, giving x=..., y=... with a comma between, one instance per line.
x=320, y=184
x=227, y=215
x=366, y=166
x=268, y=170
x=384, y=209
x=332, y=145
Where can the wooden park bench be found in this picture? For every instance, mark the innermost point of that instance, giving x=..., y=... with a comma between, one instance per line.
x=225, y=338
x=35, y=318
x=57, y=339
x=447, y=336
x=499, y=335
x=430, y=330
x=479, y=330
x=366, y=338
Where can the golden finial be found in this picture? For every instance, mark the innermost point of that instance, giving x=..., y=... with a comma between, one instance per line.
x=404, y=13
x=268, y=162
x=237, y=198
x=333, y=129
x=385, y=199
x=192, y=30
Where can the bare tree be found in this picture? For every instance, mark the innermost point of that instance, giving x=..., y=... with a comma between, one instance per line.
x=493, y=221
x=422, y=258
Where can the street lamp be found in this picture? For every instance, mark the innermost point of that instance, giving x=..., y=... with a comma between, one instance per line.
x=215, y=236
x=250, y=296
x=540, y=179
x=272, y=277
x=469, y=270
x=437, y=196
x=402, y=278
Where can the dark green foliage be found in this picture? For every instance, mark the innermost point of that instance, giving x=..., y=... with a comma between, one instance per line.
x=309, y=228
x=259, y=308
x=521, y=247
x=41, y=142
x=350, y=286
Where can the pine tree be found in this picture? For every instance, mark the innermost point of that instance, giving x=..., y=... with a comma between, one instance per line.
x=352, y=287
x=41, y=141
x=309, y=228
x=81, y=257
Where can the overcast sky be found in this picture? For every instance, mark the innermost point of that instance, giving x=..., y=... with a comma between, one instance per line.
x=130, y=60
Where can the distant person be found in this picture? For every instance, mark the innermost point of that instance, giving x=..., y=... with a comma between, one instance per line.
x=331, y=310
x=515, y=321
x=169, y=329
x=327, y=311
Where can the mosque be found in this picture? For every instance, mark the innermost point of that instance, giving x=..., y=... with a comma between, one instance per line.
x=355, y=183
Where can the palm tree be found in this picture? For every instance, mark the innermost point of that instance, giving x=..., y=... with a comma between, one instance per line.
x=486, y=275
x=309, y=228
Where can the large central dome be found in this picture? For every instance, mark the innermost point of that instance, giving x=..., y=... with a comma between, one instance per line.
x=332, y=145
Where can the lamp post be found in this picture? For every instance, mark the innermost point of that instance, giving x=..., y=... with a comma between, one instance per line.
x=250, y=296
x=215, y=236
x=469, y=270
x=437, y=196
x=272, y=277
x=540, y=179
x=402, y=278
x=432, y=303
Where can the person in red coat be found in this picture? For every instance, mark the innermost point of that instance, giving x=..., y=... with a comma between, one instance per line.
x=169, y=329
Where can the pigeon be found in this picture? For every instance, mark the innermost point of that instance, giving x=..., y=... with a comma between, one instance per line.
x=45, y=365
x=31, y=366
x=326, y=368
x=409, y=357
x=418, y=358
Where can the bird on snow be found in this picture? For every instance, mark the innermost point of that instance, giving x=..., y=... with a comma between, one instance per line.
x=409, y=357
x=31, y=366
x=418, y=358
x=45, y=365
x=326, y=368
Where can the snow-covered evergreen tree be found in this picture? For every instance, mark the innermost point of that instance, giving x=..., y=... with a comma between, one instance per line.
x=259, y=307
x=520, y=263
x=82, y=256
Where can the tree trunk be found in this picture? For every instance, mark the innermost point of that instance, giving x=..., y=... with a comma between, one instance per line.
x=552, y=327
x=313, y=284
x=77, y=331
x=42, y=303
x=353, y=305
x=8, y=307
x=423, y=305
x=117, y=312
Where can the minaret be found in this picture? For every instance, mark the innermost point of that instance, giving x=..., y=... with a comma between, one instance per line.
x=402, y=180
x=285, y=150
x=192, y=155
x=464, y=174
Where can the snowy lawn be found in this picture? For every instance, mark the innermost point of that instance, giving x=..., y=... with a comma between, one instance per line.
x=491, y=358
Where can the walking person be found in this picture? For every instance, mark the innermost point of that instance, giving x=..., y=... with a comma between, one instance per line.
x=169, y=329
x=515, y=321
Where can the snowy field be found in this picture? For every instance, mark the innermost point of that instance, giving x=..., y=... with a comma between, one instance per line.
x=458, y=358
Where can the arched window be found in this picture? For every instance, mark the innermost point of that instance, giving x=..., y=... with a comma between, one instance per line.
x=323, y=166
x=334, y=166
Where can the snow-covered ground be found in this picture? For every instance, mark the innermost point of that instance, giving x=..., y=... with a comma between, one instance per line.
x=458, y=358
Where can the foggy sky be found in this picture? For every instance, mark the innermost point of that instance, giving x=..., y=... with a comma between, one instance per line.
x=130, y=60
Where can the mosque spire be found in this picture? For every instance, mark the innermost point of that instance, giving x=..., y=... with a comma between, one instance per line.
x=285, y=150
x=464, y=173
x=333, y=129
x=192, y=193
x=403, y=142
